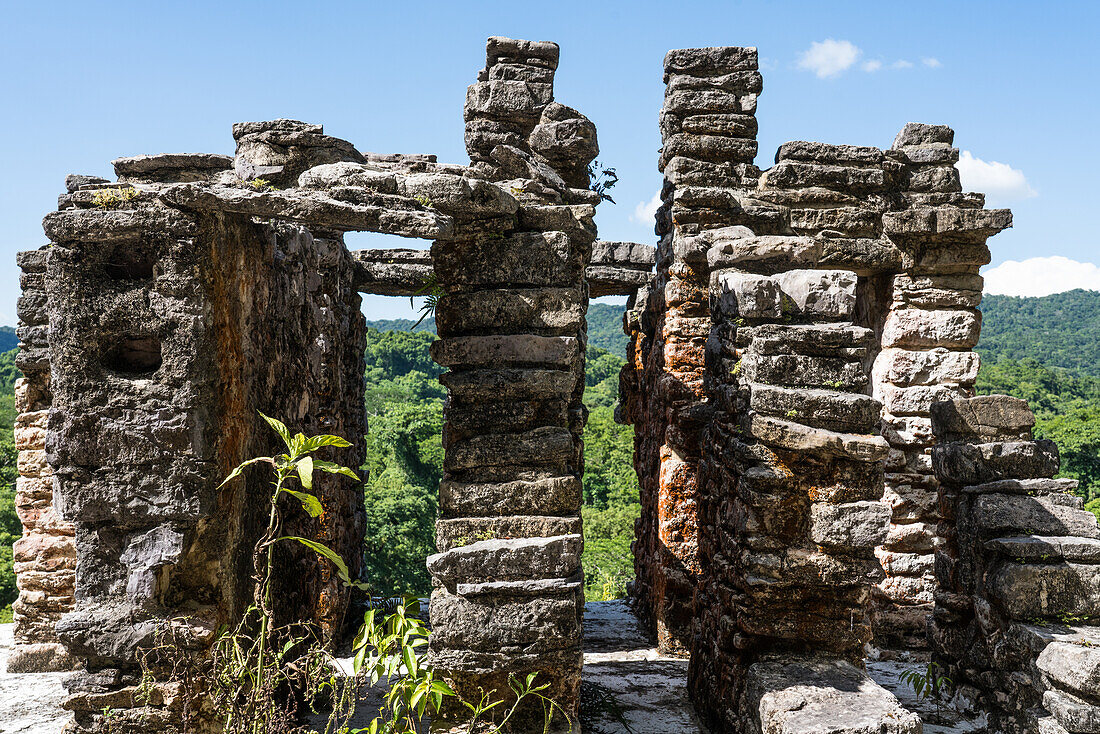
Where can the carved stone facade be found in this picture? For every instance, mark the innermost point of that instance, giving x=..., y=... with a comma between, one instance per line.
x=815, y=473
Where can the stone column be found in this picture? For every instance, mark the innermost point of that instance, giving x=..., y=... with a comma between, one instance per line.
x=1018, y=572
x=709, y=133
x=508, y=595
x=45, y=557
x=931, y=326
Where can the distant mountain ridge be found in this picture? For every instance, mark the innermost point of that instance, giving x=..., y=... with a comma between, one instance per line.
x=1060, y=330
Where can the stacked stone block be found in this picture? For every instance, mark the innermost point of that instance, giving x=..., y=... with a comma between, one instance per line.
x=930, y=328
x=709, y=132
x=508, y=592
x=1018, y=571
x=45, y=556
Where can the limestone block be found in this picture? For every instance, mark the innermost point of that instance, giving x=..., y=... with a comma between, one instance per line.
x=820, y=294
x=848, y=221
x=32, y=463
x=822, y=697
x=525, y=625
x=552, y=496
x=30, y=430
x=1025, y=486
x=913, y=537
x=797, y=370
x=910, y=502
x=171, y=167
x=915, y=400
x=960, y=463
x=936, y=224
x=908, y=432
x=1071, y=666
x=541, y=446
x=1003, y=514
x=829, y=409
x=493, y=350
x=918, y=133
x=911, y=590
x=988, y=417
x=748, y=296
x=916, y=328
x=1028, y=591
x=862, y=524
x=794, y=436
x=801, y=150
x=1045, y=548
x=1073, y=713
x=706, y=62
x=798, y=174
x=508, y=560
x=905, y=367
x=696, y=101
x=459, y=532
x=527, y=259
x=506, y=384
x=896, y=563
x=713, y=148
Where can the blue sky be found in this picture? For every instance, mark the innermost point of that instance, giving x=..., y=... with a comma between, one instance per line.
x=87, y=82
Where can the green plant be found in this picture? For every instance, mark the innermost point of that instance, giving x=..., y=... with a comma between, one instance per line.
x=424, y=201
x=255, y=672
x=114, y=198
x=602, y=180
x=478, y=722
x=792, y=413
x=387, y=651
x=259, y=184
x=926, y=683
x=432, y=292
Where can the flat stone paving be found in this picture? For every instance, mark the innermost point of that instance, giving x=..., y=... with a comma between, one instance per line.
x=29, y=702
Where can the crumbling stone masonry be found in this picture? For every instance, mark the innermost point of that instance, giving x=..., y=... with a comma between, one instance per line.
x=1018, y=572
x=816, y=475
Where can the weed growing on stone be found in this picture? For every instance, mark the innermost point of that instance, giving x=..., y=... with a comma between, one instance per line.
x=259, y=184
x=114, y=198
x=432, y=292
x=603, y=179
x=926, y=683
x=424, y=201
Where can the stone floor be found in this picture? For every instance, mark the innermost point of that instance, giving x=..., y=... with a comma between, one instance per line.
x=628, y=687
x=29, y=702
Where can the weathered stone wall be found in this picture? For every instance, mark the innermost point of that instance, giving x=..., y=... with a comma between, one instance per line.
x=787, y=306
x=709, y=131
x=170, y=330
x=1017, y=570
x=45, y=556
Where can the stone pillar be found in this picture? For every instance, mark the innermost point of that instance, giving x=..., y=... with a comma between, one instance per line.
x=169, y=331
x=1018, y=572
x=508, y=595
x=931, y=326
x=709, y=133
x=45, y=557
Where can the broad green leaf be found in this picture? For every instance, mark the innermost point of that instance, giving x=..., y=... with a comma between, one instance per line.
x=315, y=442
x=240, y=468
x=333, y=468
x=311, y=504
x=305, y=472
x=297, y=443
x=323, y=550
x=279, y=427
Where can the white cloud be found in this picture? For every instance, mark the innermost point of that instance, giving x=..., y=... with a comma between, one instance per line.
x=931, y=62
x=647, y=210
x=901, y=64
x=829, y=58
x=1000, y=181
x=1041, y=276
x=872, y=65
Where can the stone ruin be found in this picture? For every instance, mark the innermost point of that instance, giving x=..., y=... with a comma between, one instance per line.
x=816, y=474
